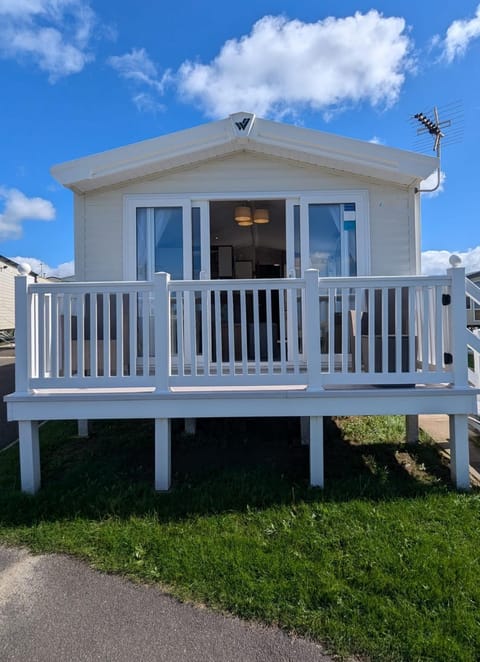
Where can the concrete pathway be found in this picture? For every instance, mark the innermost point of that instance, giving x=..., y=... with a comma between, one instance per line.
x=437, y=427
x=54, y=608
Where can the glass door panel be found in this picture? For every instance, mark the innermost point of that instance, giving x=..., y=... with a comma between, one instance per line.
x=168, y=241
x=159, y=235
x=332, y=239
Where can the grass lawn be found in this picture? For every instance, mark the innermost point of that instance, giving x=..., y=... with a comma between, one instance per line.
x=384, y=563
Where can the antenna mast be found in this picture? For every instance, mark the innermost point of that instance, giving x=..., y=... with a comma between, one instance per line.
x=434, y=128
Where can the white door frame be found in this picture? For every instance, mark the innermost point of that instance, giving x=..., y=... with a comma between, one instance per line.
x=302, y=198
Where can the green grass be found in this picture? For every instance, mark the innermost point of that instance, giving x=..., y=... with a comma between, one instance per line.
x=383, y=563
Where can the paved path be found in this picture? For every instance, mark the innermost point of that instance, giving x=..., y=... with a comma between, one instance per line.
x=53, y=608
x=8, y=431
x=437, y=426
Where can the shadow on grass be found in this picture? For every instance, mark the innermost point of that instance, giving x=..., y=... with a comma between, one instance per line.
x=229, y=465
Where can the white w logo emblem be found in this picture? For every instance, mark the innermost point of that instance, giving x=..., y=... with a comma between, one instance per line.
x=241, y=126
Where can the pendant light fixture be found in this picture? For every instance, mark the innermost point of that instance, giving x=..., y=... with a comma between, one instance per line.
x=246, y=216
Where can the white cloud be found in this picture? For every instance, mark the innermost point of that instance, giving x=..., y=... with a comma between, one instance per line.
x=283, y=66
x=18, y=208
x=138, y=69
x=437, y=262
x=54, y=34
x=431, y=182
x=376, y=141
x=146, y=103
x=43, y=269
x=459, y=35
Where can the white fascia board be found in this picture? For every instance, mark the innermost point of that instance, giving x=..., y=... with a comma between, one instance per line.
x=347, y=154
x=216, y=139
x=157, y=154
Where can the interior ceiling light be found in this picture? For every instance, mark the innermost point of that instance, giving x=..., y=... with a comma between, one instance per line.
x=246, y=216
x=261, y=216
x=243, y=214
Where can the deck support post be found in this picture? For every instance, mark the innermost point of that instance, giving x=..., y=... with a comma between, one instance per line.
x=29, y=456
x=190, y=425
x=316, y=451
x=163, y=459
x=411, y=428
x=83, y=428
x=459, y=451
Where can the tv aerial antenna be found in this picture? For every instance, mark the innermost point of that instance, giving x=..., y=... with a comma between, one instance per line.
x=432, y=127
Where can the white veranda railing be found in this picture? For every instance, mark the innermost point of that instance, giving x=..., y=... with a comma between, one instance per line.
x=317, y=332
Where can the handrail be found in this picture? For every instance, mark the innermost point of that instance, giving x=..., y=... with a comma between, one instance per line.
x=96, y=287
x=236, y=284
x=472, y=290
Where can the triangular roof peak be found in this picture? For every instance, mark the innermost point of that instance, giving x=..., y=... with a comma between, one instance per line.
x=239, y=132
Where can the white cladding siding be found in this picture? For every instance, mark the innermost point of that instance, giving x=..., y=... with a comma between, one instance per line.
x=7, y=296
x=391, y=217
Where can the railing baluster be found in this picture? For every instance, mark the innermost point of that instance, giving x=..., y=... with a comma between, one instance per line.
x=206, y=342
x=33, y=336
x=385, y=339
x=243, y=331
x=283, y=339
x=438, y=329
x=331, y=294
x=218, y=332
x=256, y=332
x=372, y=358
x=145, y=334
x=426, y=330
x=54, y=336
x=67, y=336
x=412, y=350
x=81, y=335
x=93, y=335
x=192, y=336
x=106, y=334
x=41, y=334
x=132, y=333
x=344, y=327
x=269, y=330
x=398, y=330
x=119, y=334
x=357, y=331
x=293, y=345
x=180, y=334
x=231, y=333
x=48, y=335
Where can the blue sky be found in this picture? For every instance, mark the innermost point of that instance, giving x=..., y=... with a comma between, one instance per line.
x=81, y=77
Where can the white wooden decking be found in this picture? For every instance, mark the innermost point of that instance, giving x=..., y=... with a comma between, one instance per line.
x=295, y=347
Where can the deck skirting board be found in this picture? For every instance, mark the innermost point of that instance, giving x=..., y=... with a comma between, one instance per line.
x=243, y=403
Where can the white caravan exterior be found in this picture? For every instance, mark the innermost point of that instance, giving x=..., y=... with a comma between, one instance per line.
x=266, y=161
x=248, y=267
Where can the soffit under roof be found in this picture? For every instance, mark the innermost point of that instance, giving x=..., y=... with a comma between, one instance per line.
x=243, y=132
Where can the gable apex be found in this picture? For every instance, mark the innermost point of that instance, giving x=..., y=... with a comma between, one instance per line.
x=242, y=124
